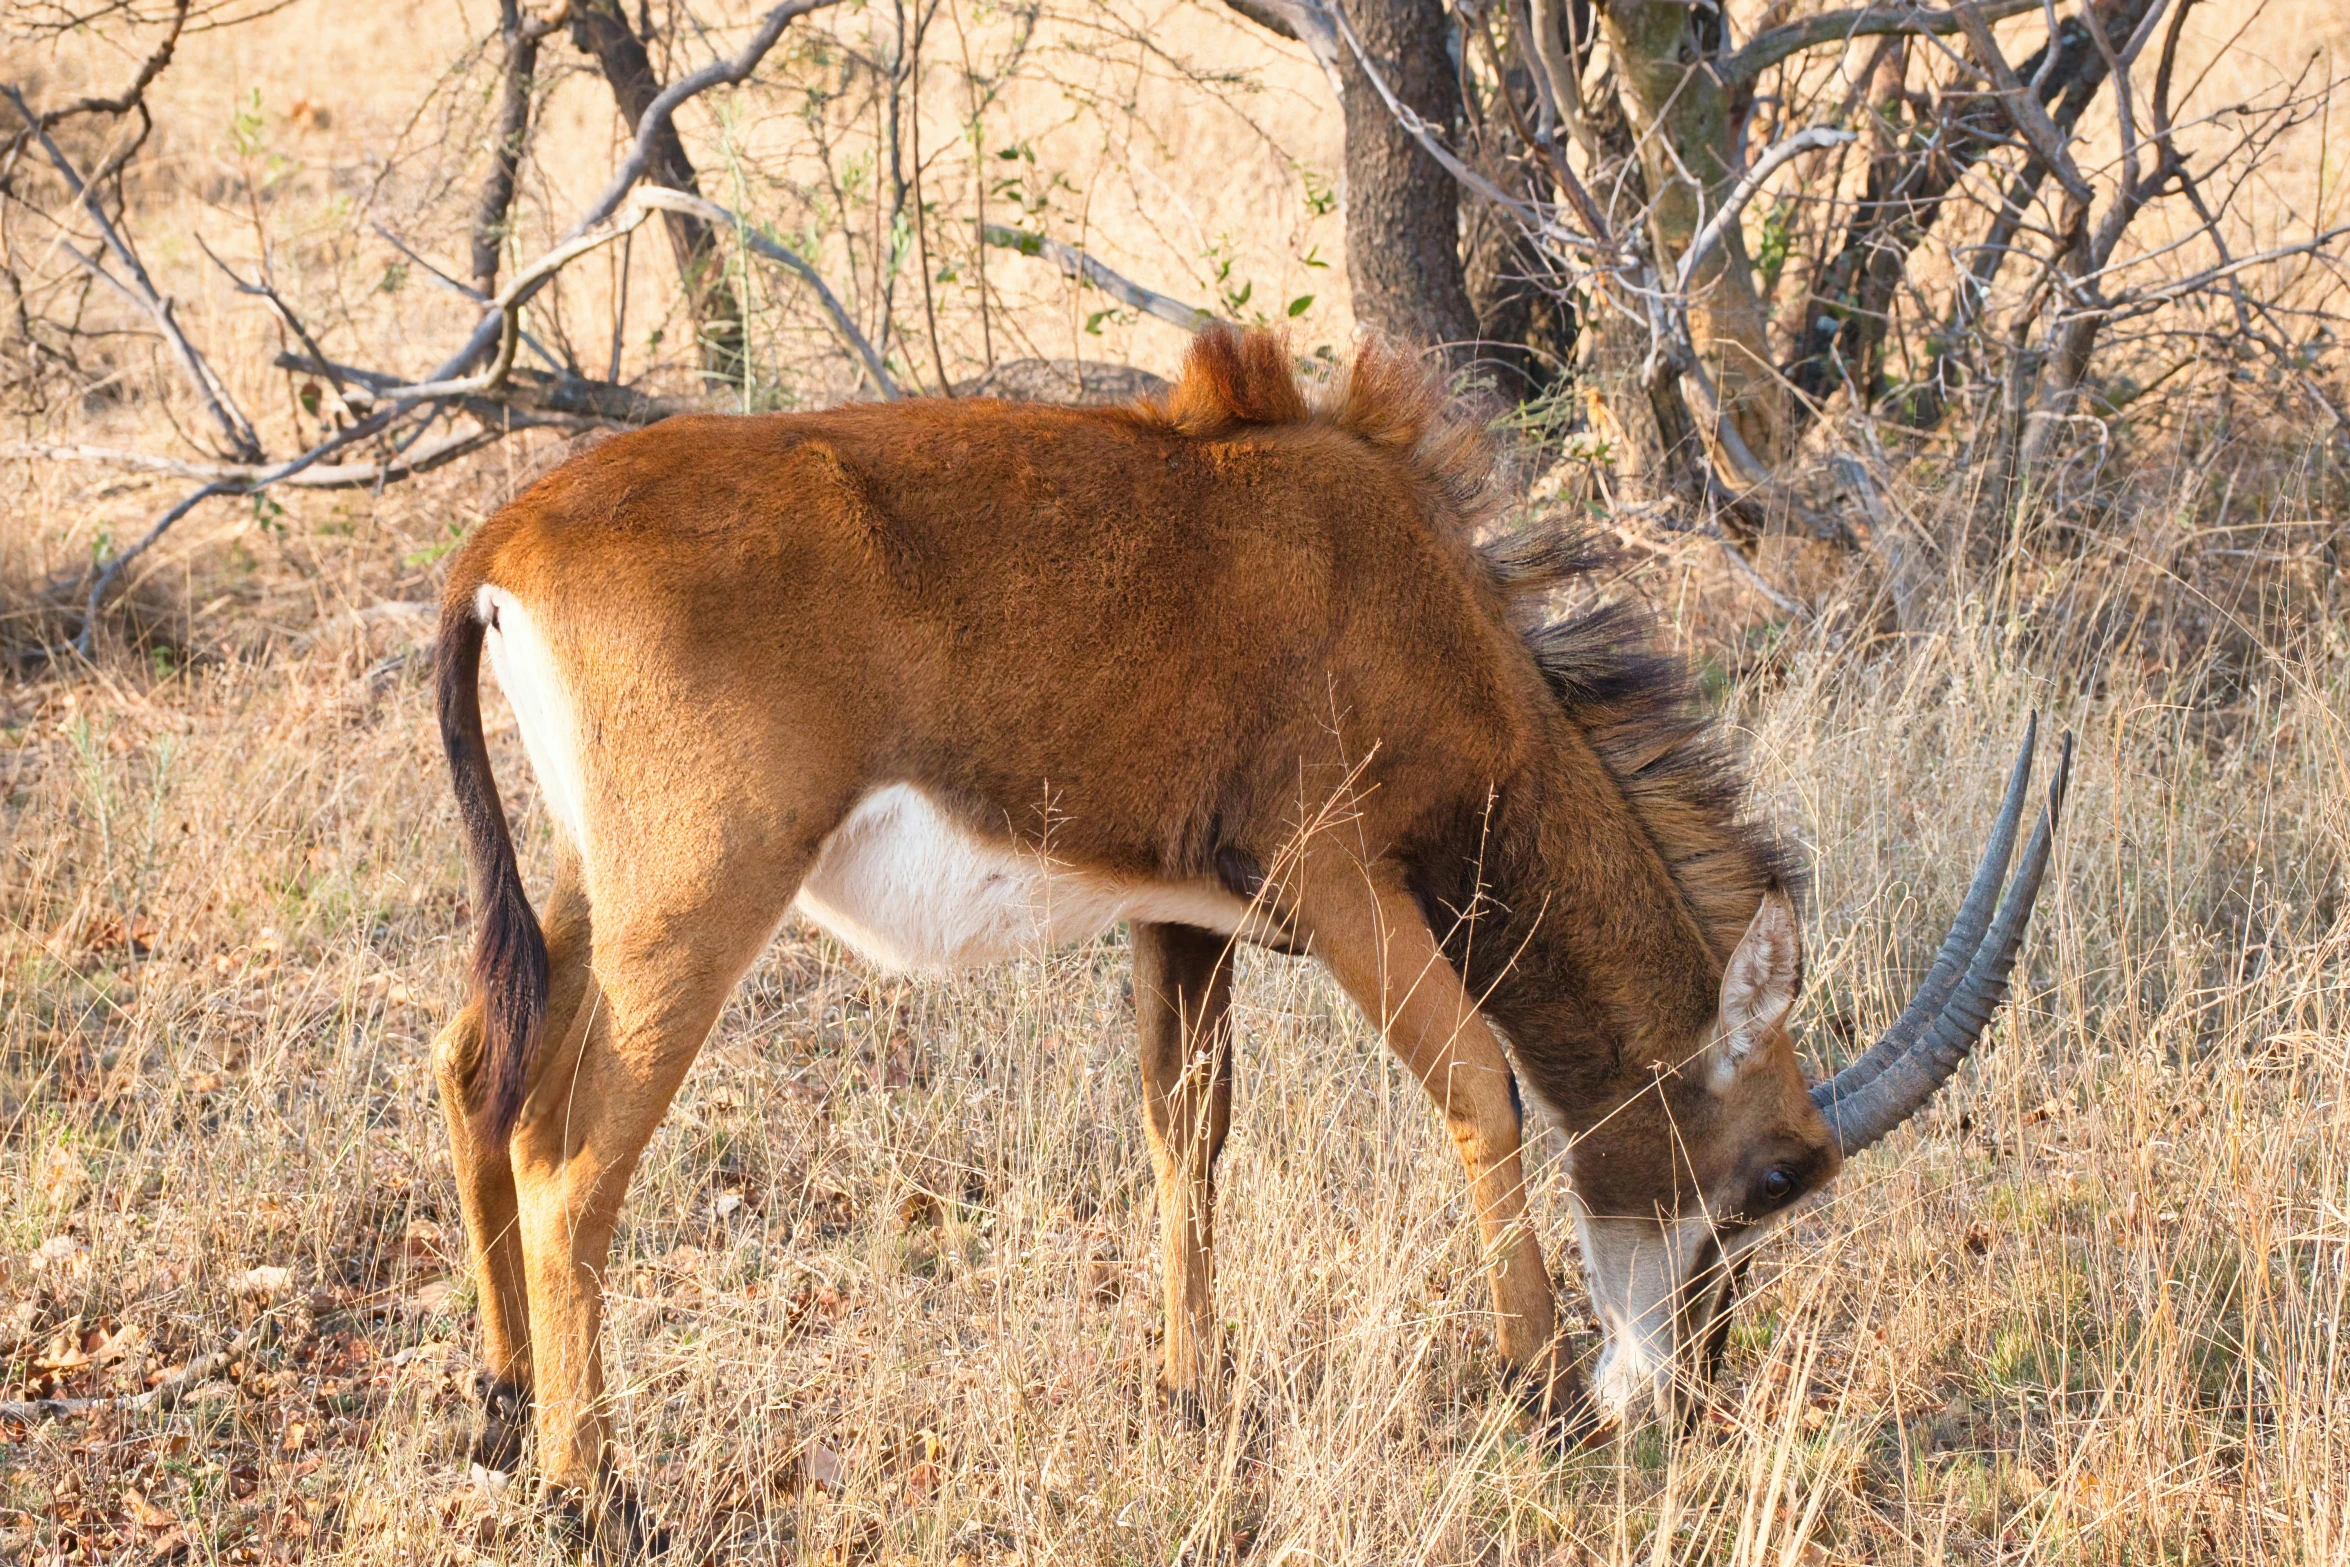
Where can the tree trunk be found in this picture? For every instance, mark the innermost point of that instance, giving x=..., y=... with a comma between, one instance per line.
x=600, y=29
x=497, y=192
x=1403, y=226
x=1681, y=117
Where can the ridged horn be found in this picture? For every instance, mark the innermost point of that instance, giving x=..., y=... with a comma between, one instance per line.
x=1958, y=947
x=1940, y=1026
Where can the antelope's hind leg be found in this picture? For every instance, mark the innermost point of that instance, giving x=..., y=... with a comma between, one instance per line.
x=1182, y=1010
x=673, y=935
x=485, y=1176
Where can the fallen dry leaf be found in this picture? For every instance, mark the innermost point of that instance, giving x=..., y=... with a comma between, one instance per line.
x=64, y=1179
x=120, y=1344
x=64, y=1353
x=149, y=1515
x=430, y=1300
x=267, y=1282
x=424, y=1242
x=825, y=1467
x=61, y=1253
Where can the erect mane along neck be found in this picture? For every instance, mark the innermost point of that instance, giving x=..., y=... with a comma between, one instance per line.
x=1593, y=905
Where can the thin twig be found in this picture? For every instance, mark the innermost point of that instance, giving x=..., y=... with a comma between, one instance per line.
x=508, y=306
x=323, y=476
x=459, y=286
x=261, y=288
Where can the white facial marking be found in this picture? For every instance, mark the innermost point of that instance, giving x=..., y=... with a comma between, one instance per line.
x=526, y=671
x=1635, y=1268
x=909, y=888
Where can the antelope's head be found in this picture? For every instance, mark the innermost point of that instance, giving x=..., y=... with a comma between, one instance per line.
x=1735, y=1140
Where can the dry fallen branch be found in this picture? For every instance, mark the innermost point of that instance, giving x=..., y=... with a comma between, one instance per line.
x=560, y=400
x=161, y=1398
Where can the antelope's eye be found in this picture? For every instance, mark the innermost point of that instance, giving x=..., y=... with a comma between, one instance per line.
x=1778, y=1186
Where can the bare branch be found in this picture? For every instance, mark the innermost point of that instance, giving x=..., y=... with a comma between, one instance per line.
x=2024, y=110
x=522, y=34
x=1540, y=224
x=508, y=305
x=1076, y=263
x=719, y=73
x=570, y=401
x=131, y=96
x=1306, y=21
x=842, y=323
x=2139, y=300
x=1837, y=27
x=1772, y=160
x=650, y=125
x=141, y=290
x=459, y=286
x=261, y=288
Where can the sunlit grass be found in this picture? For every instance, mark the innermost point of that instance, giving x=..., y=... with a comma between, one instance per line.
x=886, y=1291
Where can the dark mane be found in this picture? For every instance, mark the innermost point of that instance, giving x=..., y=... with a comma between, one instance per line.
x=1608, y=666
x=1636, y=702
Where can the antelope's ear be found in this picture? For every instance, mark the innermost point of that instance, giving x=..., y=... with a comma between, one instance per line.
x=1760, y=985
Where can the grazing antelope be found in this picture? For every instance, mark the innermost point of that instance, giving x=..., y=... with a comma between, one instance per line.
x=961, y=678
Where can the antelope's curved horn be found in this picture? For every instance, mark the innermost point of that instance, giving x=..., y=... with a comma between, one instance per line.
x=1903, y=1087
x=1958, y=948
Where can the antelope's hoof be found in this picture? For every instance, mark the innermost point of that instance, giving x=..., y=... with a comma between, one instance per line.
x=505, y=1418
x=1186, y=1404
x=1557, y=1405
x=613, y=1531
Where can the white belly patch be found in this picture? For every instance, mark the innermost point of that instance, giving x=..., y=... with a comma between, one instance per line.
x=911, y=889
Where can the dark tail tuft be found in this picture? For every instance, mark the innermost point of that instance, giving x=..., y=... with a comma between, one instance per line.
x=509, y=951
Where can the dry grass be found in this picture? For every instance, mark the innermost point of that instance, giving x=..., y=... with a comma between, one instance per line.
x=884, y=1291
x=2089, y=1310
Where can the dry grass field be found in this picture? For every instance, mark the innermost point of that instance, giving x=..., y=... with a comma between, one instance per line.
x=884, y=1291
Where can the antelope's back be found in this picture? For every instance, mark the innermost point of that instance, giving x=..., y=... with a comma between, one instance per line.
x=999, y=599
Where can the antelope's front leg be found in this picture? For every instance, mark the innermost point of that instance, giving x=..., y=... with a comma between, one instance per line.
x=1365, y=925
x=1182, y=1006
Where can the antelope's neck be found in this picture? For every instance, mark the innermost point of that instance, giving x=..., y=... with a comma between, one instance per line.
x=1584, y=948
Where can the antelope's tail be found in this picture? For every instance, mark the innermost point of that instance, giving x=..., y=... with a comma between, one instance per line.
x=509, y=950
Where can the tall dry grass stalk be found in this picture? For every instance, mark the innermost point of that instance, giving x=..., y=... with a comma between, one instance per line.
x=884, y=1290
